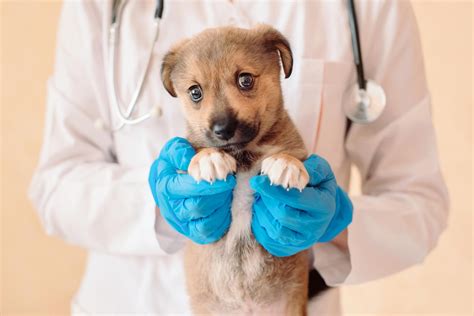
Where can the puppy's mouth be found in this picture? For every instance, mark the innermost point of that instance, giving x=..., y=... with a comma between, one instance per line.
x=244, y=134
x=234, y=146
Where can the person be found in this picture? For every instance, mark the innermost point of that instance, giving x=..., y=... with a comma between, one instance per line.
x=90, y=187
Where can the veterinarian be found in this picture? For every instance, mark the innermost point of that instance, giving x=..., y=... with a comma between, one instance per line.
x=91, y=188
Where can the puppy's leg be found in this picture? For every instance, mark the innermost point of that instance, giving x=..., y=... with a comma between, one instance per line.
x=289, y=172
x=297, y=295
x=297, y=304
x=285, y=170
x=196, y=269
x=210, y=164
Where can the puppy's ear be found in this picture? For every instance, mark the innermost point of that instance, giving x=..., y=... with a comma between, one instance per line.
x=274, y=40
x=169, y=63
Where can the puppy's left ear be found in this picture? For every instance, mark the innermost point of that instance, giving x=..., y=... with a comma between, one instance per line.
x=169, y=63
x=274, y=40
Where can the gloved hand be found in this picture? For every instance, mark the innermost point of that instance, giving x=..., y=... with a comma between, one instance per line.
x=199, y=211
x=286, y=222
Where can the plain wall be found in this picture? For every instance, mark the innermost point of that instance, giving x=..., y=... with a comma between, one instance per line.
x=40, y=274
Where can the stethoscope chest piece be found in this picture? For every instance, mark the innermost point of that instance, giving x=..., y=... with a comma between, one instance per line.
x=364, y=106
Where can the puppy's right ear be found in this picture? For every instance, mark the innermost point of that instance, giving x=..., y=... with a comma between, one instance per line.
x=274, y=40
x=167, y=66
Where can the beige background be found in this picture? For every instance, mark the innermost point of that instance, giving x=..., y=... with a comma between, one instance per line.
x=40, y=274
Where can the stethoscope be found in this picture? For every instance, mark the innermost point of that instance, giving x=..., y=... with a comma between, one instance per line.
x=114, y=31
x=367, y=97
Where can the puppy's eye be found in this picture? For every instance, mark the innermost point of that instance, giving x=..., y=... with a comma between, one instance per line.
x=245, y=81
x=195, y=92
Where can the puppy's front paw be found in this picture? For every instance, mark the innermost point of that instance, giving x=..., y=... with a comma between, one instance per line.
x=211, y=164
x=285, y=170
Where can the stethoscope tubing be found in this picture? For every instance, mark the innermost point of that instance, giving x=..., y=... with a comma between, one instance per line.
x=364, y=98
x=125, y=118
x=367, y=97
x=354, y=26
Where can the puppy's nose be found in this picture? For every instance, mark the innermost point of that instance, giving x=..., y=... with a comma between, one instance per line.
x=224, y=128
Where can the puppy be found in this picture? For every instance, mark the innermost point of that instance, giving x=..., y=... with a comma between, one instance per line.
x=228, y=81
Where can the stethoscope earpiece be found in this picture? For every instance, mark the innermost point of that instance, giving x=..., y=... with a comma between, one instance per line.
x=99, y=124
x=156, y=111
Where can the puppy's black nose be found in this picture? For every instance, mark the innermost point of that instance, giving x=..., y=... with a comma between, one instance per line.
x=224, y=128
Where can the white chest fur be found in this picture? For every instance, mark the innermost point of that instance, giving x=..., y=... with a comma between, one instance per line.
x=237, y=258
x=241, y=211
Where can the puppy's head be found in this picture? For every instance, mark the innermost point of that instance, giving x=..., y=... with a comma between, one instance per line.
x=228, y=80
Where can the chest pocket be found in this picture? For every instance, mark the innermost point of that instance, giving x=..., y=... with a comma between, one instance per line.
x=314, y=97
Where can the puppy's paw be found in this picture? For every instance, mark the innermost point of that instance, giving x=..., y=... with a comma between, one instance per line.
x=211, y=164
x=285, y=170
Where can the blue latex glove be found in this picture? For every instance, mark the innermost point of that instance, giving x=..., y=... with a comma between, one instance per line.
x=199, y=211
x=287, y=222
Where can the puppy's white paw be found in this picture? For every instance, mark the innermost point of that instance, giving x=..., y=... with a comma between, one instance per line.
x=211, y=164
x=285, y=170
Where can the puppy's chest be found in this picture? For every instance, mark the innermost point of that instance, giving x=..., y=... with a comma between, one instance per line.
x=246, y=160
x=238, y=261
x=243, y=197
x=241, y=250
x=239, y=240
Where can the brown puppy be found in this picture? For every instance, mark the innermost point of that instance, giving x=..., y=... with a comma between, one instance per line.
x=228, y=80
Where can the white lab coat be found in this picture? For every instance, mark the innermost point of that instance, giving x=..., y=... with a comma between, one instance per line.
x=90, y=187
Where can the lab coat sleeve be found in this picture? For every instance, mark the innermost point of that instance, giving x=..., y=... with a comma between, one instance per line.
x=82, y=194
x=404, y=203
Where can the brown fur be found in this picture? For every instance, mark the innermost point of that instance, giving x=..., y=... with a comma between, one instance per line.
x=213, y=59
x=283, y=278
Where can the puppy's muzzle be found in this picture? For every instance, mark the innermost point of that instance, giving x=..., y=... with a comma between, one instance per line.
x=224, y=127
x=226, y=130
